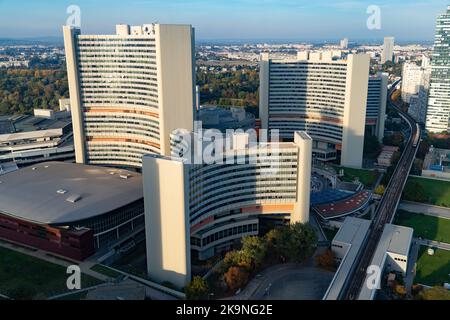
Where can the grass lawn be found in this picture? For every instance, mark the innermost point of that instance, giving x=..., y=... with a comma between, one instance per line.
x=105, y=271
x=436, y=191
x=366, y=177
x=41, y=278
x=426, y=227
x=433, y=270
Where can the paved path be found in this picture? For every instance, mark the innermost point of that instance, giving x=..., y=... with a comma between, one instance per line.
x=85, y=266
x=427, y=209
x=431, y=243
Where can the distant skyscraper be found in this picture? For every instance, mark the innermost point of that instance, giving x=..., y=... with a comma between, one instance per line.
x=388, y=50
x=344, y=43
x=438, y=111
x=411, y=79
x=376, y=104
x=321, y=95
x=128, y=91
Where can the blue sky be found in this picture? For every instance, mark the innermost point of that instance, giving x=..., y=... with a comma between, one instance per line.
x=230, y=19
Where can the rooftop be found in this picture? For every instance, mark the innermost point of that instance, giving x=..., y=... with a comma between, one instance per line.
x=60, y=193
x=394, y=239
x=353, y=233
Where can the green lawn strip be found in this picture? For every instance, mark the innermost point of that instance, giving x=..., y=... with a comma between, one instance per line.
x=437, y=192
x=433, y=270
x=105, y=271
x=425, y=227
x=44, y=278
x=366, y=177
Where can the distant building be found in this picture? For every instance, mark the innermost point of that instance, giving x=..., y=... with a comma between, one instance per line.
x=127, y=102
x=387, y=53
x=376, y=104
x=213, y=117
x=344, y=44
x=208, y=207
x=438, y=111
x=321, y=94
x=386, y=155
x=412, y=76
x=73, y=210
x=25, y=139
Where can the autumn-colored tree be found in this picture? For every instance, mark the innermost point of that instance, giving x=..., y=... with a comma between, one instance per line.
x=326, y=260
x=197, y=289
x=380, y=189
x=236, y=278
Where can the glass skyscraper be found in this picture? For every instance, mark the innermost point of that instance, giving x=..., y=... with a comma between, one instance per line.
x=438, y=112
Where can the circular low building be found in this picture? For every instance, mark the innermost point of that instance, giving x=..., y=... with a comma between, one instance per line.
x=73, y=210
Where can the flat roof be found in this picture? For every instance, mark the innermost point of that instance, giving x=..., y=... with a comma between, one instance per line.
x=394, y=239
x=353, y=232
x=61, y=192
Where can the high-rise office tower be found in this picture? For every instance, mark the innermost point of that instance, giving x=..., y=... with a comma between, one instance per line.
x=321, y=95
x=129, y=91
x=344, y=43
x=206, y=207
x=412, y=77
x=438, y=111
x=376, y=104
x=388, y=50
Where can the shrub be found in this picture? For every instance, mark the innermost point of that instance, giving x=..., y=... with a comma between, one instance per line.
x=197, y=289
x=236, y=278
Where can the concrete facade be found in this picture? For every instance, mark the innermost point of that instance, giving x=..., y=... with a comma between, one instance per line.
x=129, y=91
x=207, y=207
x=296, y=95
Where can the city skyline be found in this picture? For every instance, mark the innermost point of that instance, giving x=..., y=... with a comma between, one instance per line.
x=235, y=20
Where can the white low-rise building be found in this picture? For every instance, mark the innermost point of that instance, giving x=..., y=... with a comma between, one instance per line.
x=391, y=255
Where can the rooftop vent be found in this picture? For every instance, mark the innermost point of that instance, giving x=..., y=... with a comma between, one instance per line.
x=74, y=198
x=61, y=191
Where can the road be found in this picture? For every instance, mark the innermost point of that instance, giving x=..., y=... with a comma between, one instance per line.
x=388, y=204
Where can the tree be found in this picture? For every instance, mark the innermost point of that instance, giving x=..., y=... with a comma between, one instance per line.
x=296, y=242
x=371, y=146
x=326, y=260
x=380, y=189
x=435, y=293
x=253, y=250
x=197, y=289
x=236, y=278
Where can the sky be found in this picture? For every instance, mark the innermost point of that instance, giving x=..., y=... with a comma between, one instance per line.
x=406, y=20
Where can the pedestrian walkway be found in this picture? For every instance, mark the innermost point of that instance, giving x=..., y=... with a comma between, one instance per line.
x=427, y=209
x=436, y=244
x=85, y=266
